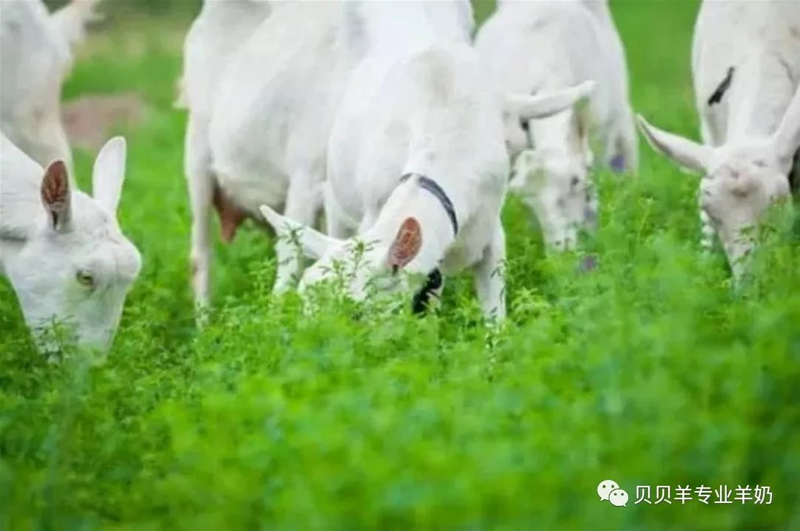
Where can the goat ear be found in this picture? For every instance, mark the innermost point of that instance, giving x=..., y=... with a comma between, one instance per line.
x=406, y=245
x=787, y=137
x=684, y=152
x=314, y=243
x=57, y=196
x=109, y=173
x=544, y=105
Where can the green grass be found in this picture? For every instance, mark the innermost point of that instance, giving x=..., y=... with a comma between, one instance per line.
x=651, y=371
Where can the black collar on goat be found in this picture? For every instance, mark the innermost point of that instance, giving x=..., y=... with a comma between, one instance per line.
x=430, y=185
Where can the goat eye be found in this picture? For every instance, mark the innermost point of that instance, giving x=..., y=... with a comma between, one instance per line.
x=524, y=125
x=85, y=279
x=760, y=163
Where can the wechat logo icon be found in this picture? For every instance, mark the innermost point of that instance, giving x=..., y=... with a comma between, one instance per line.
x=609, y=491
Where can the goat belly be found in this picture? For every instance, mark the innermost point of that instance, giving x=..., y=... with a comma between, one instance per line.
x=248, y=190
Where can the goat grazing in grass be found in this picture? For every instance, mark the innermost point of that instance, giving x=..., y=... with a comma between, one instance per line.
x=417, y=164
x=263, y=132
x=531, y=47
x=746, y=69
x=61, y=249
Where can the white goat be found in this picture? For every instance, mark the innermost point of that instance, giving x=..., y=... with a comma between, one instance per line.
x=529, y=47
x=219, y=30
x=63, y=250
x=264, y=140
x=746, y=68
x=416, y=162
x=36, y=56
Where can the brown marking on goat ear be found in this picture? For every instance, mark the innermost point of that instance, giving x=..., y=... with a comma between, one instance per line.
x=406, y=245
x=56, y=195
x=230, y=215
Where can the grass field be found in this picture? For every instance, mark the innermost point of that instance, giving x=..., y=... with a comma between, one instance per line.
x=652, y=370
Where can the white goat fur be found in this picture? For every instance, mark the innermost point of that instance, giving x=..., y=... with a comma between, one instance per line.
x=752, y=134
x=36, y=56
x=65, y=257
x=418, y=103
x=260, y=129
x=535, y=46
x=219, y=30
